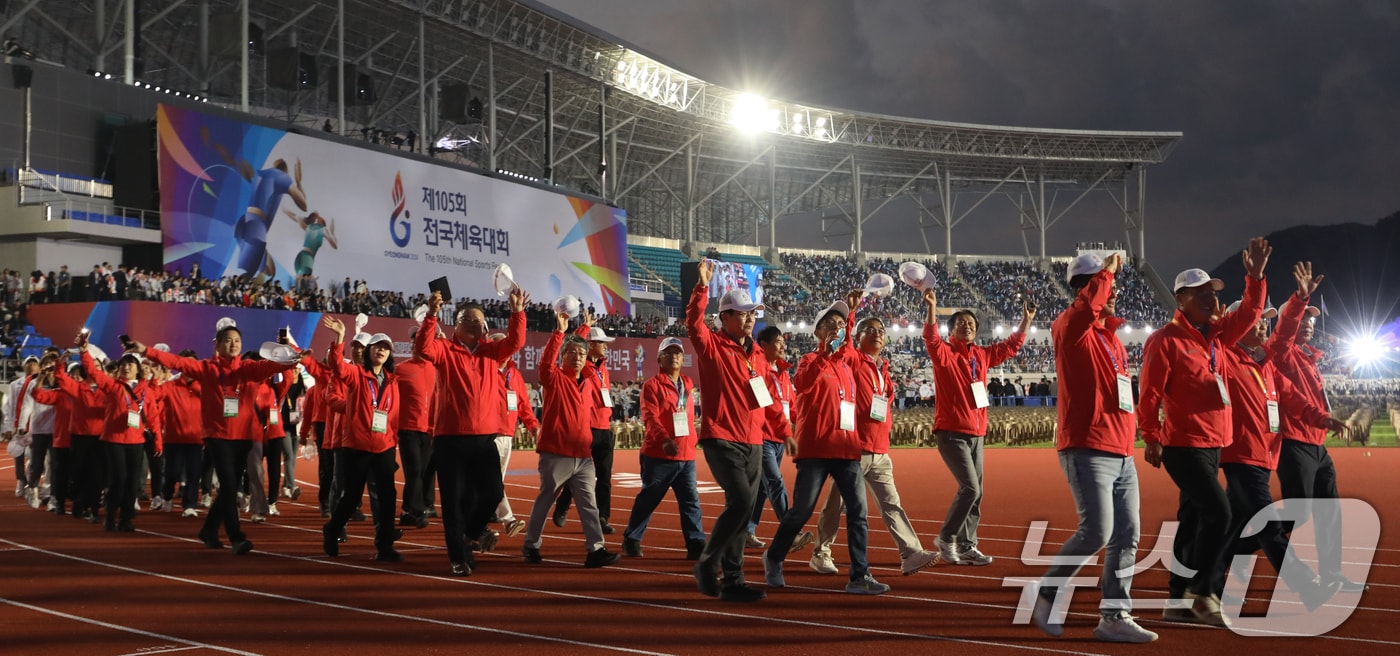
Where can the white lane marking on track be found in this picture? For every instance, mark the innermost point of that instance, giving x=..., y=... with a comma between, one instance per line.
x=127, y=629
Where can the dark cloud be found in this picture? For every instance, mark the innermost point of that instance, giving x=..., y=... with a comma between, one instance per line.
x=1288, y=107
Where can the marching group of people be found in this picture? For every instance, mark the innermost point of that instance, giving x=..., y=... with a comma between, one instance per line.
x=1218, y=391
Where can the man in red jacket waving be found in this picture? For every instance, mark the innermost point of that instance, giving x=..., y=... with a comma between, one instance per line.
x=1183, y=377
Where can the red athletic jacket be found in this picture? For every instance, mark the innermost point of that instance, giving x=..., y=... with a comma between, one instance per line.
x=313, y=409
x=956, y=366
x=523, y=413
x=568, y=414
x=182, y=417
x=825, y=381
x=332, y=399
x=1178, y=376
x=1298, y=363
x=89, y=407
x=731, y=411
x=872, y=378
x=219, y=377
x=472, y=400
x=1252, y=386
x=602, y=414
x=417, y=381
x=1088, y=359
x=777, y=418
x=660, y=403
x=363, y=398
x=62, y=404
x=121, y=400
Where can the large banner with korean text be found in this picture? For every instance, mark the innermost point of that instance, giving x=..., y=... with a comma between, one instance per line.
x=241, y=199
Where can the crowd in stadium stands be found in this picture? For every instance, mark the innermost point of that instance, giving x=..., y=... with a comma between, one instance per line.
x=783, y=295
x=1002, y=285
x=829, y=277
x=951, y=292
x=1136, y=303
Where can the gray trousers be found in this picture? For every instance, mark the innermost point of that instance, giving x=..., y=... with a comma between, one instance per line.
x=878, y=471
x=963, y=455
x=556, y=472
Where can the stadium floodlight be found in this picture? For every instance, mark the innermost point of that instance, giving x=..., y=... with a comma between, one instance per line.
x=943, y=329
x=1127, y=329
x=1034, y=330
x=999, y=330
x=1147, y=328
x=802, y=324
x=750, y=114
x=1365, y=350
x=789, y=323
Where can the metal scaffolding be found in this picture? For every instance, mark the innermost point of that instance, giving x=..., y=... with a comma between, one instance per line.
x=613, y=121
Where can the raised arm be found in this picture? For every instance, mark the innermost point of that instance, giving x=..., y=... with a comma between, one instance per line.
x=426, y=342
x=96, y=374
x=1084, y=312
x=700, y=336
x=1233, y=326
x=515, y=330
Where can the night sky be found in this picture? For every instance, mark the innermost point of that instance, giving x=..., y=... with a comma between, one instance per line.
x=1289, y=108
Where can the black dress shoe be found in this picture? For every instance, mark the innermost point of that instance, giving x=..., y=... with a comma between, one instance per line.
x=357, y=516
x=532, y=555
x=693, y=549
x=1345, y=584
x=343, y=537
x=211, y=539
x=607, y=528
x=421, y=522
x=741, y=592
x=407, y=520
x=705, y=580
x=329, y=543
x=600, y=557
x=125, y=526
x=461, y=569
x=242, y=547
x=431, y=513
x=632, y=548
x=388, y=556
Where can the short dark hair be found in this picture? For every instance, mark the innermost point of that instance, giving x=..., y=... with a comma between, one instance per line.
x=219, y=336
x=954, y=319
x=769, y=334
x=860, y=325
x=1080, y=281
x=473, y=305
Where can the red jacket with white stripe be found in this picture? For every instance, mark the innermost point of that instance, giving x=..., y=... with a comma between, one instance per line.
x=472, y=399
x=1252, y=386
x=1178, y=377
x=364, y=397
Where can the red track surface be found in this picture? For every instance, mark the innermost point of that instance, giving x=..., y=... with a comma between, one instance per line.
x=66, y=587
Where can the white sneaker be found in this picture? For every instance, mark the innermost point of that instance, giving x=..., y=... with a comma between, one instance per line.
x=32, y=496
x=19, y=489
x=1123, y=630
x=1207, y=611
x=53, y=505
x=206, y=501
x=948, y=551
x=801, y=541
x=515, y=527
x=257, y=518
x=917, y=561
x=973, y=557
x=190, y=512
x=1040, y=616
x=136, y=505
x=157, y=503
x=272, y=510
x=821, y=563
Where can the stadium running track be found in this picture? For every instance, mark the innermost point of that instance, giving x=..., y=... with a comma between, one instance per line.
x=67, y=587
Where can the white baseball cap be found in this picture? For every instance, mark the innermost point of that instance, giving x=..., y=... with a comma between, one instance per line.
x=280, y=353
x=1196, y=278
x=380, y=337
x=738, y=300
x=1268, y=313
x=916, y=275
x=1312, y=311
x=568, y=304
x=879, y=285
x=838, y=307
x=362, y=338
x=668, y=343
x=1087, y=264
x=596, y=334
x=503, y=279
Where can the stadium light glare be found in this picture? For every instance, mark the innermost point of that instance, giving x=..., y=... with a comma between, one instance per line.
x=749, y=113
x=789, y=324
x=943, y=329
x=1127, y=329
x=1365, y=350
x=802, y=324
x=999, y=330
x=1034, y=330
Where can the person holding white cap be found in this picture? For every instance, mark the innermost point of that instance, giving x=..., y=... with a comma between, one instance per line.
x=1305, y=469
x=1094, y=438
x=668, y=452
x=826, y=445
x=731, y=430
x=15, y=400
x=1183, y=379
x=1257, y=391
x=471, y=401
x=960, y=369
x=371, y=435
x=517, y=412
x=564, y=444
x=874, y=420
x=601, y=424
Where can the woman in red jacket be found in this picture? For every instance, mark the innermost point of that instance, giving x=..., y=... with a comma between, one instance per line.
x=87, y=411
x=184, y=443
x=123, y=432
x=371, y=433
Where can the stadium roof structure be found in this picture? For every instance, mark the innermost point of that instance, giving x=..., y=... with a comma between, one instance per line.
x=520, y=90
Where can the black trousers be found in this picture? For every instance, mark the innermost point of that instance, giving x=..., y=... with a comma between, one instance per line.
x=738, y=469
x=183, y=463
x=272, y=453
x=469, y=474
x=1305, y=471
x=230, y=460
x=602, y=452
x=89, y=473
x=123, y=479
x=360, y=467
x=325, y=467
x=1203, y=516
x=154, y=463
x=60, y=472
x=39, y=446
x=416, y=449
x=1248, y=489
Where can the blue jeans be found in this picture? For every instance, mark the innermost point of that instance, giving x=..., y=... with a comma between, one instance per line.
x=658, y=476
x=1105, y=490
x=811, y=476
x=771, y=486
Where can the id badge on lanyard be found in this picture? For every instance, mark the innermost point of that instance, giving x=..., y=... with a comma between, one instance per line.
x=979, y=395
x=512, y=401
x=680, y=424
x=606, y=395
x=1273, y=416
x=1125, y=393
x=380, y=422
x=273, y=417
x=1224, y=394
x=879, y=407
x=848, y=415
x=760, y=391
x=133, y=419
x=230, y=406
x=787, y=410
